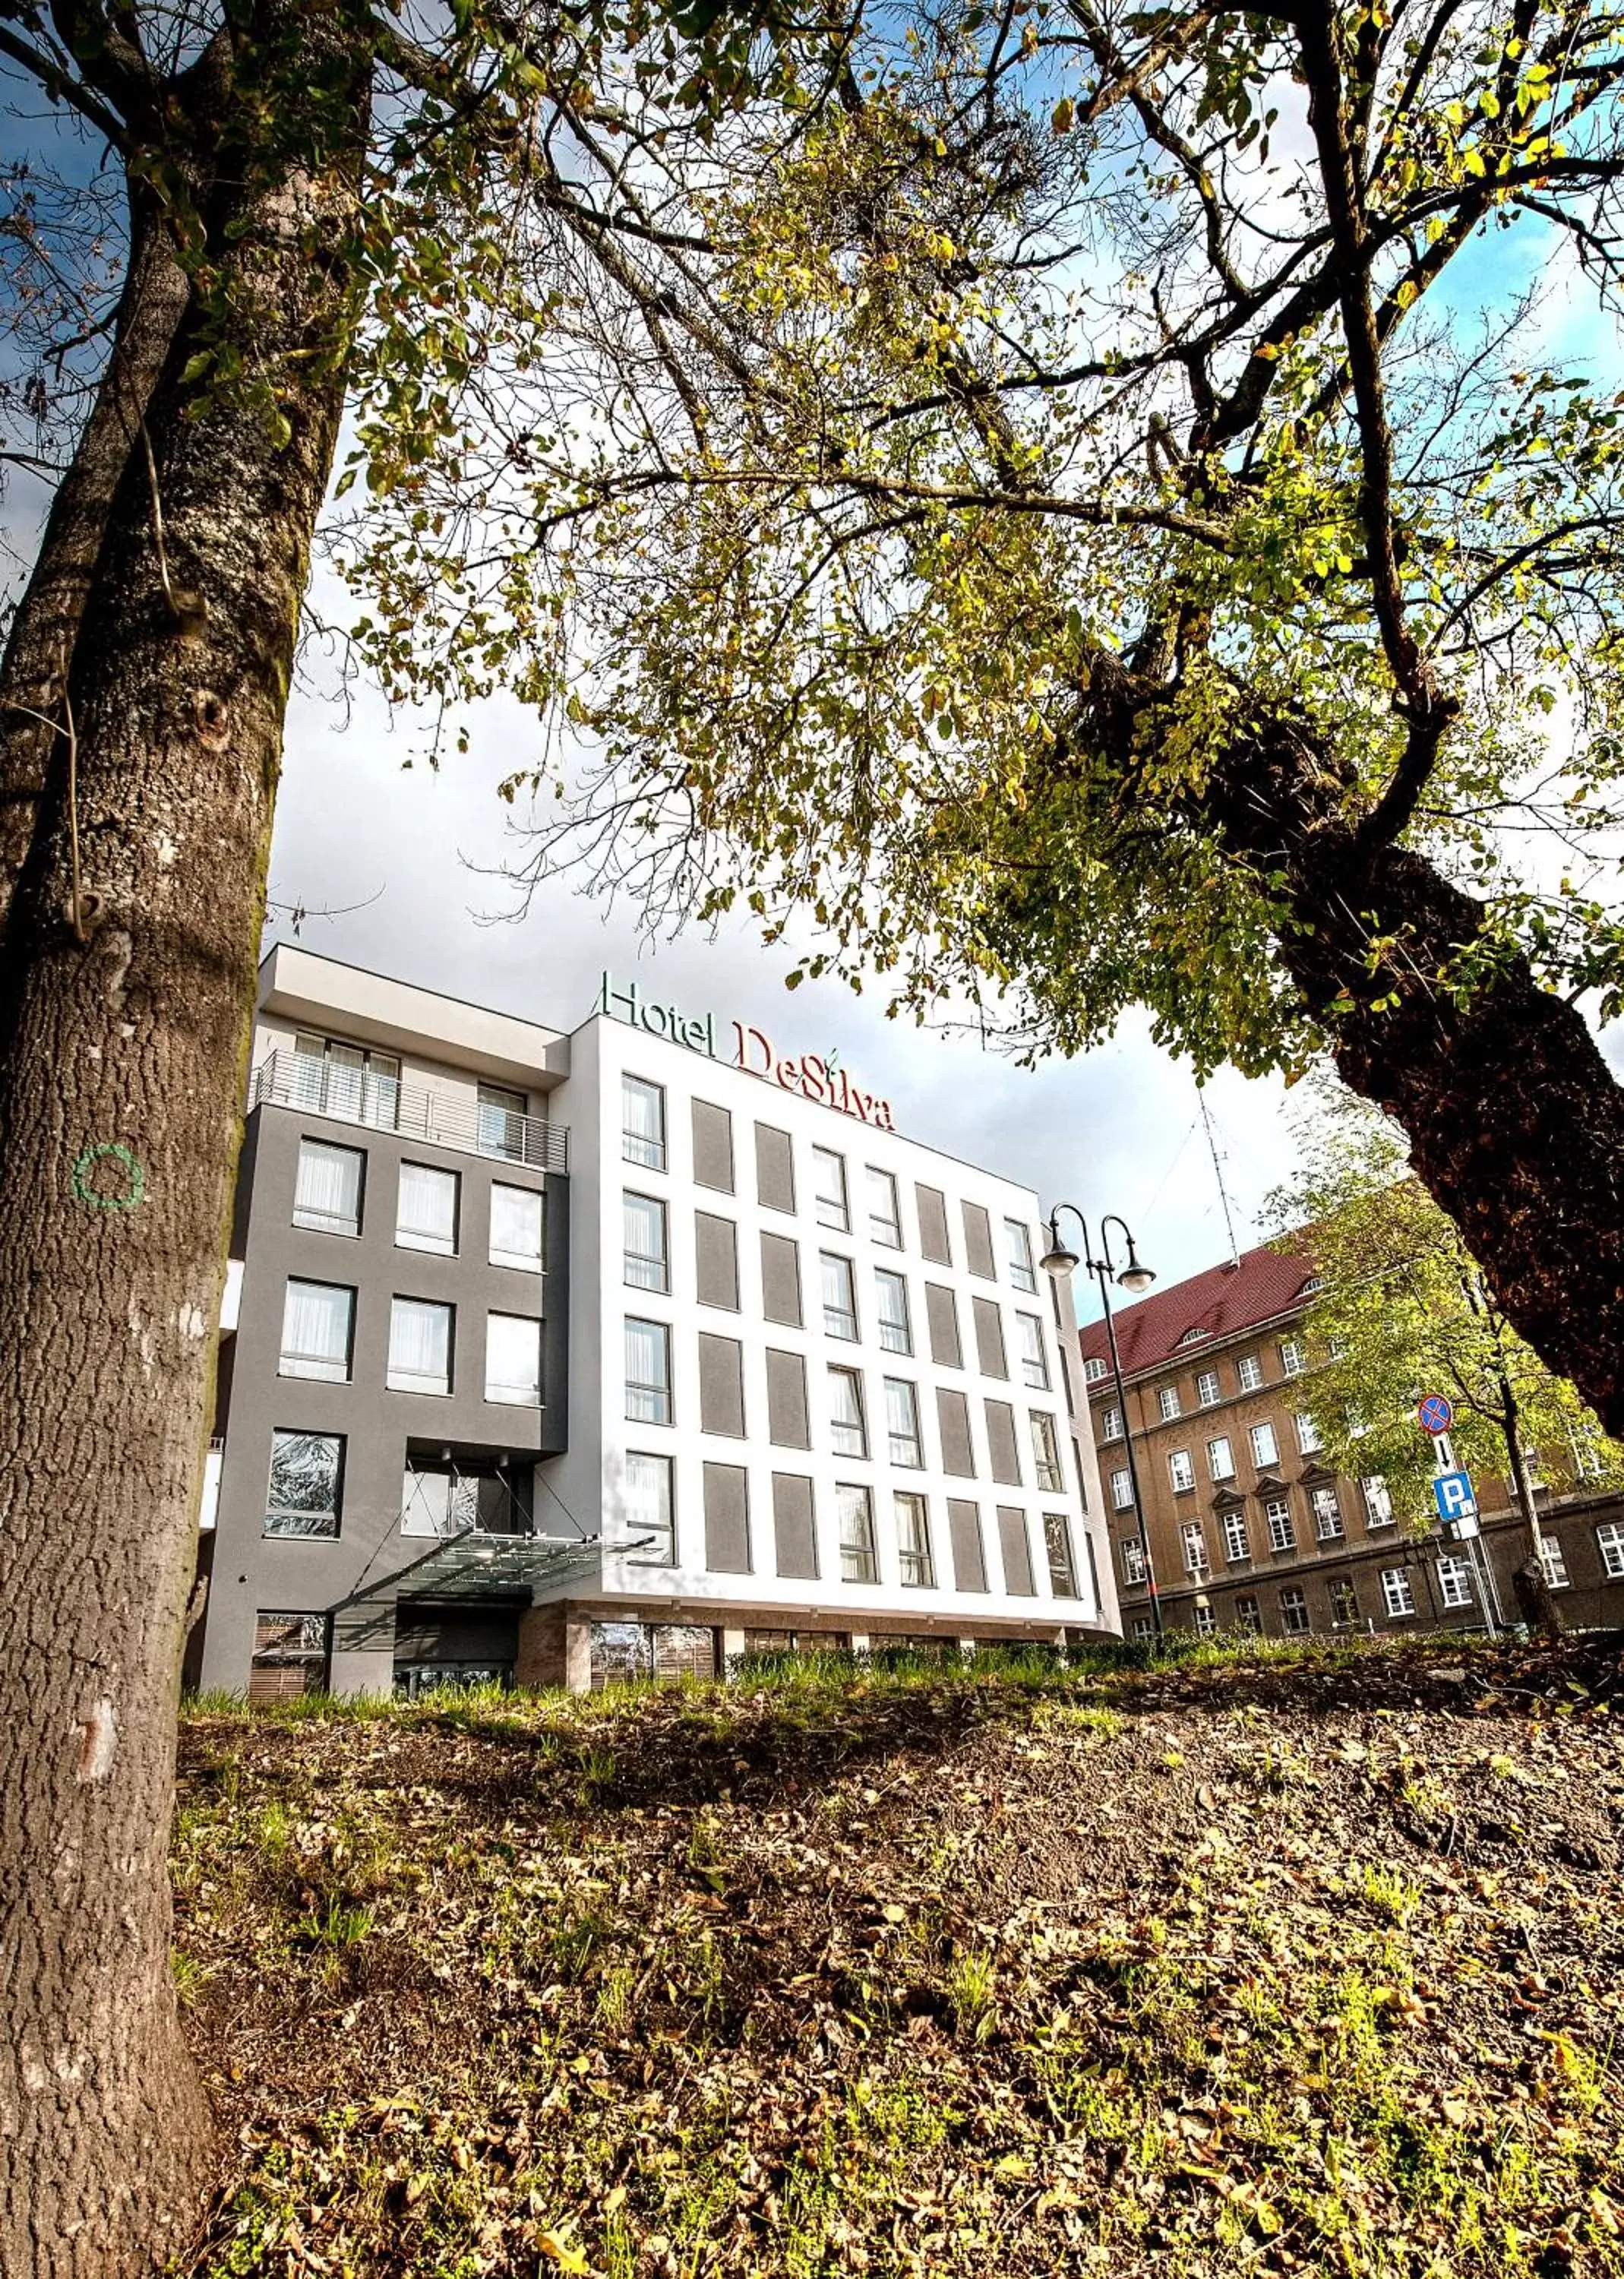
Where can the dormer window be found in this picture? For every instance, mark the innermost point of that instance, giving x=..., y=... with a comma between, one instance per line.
x=1194, y=1337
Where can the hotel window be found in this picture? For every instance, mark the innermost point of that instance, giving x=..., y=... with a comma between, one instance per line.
x=1018, y=1250
x=327, y=1187
x=1093, y=1370
x=1291, y=1357
x=1219, y=1459
x=1327, y=1514
x=1057, y=1549
x=289, y=1658
x=446, y=1499
x=1034, y=1361
x=1307, y=1434
x=1293, y=1612
x=1609, y=1542
x=1378, y=1502
x=342, y=1080
x=642, y=1123
x=317, y=1331
x=419, y=1346
x=1344, y=1605
x=1121, y=1490
x=902, y=1424
x=1046, y=1454
x=1237, y=1542
x=648, y=1372
x=918, y=1568
x=1281, y=1534
x=885, y=1210
x=829, y=1190
x=502, y=1123
x=855, y=1509
x=1249, y=1373
x=650, y=1511
x=1167, y=1403
x=515, y=1227
x=1111, y=1425
x=1551, y=1560
x=1181, y=1471
x=1265, y=1451
x=307, y=1472
x=1132, y=1556
x=840, y=1296
x=1192, y=1540
x=848, y=1427
x=513, y=1360
x=644, y=1235
x=1144, y=1628
x=1249, y=1617
x=1206, y=1388
x=425, y=1209
x=896, y=1334
x=1454, y=1582
x=1397, y=1595
x=1206, y=1620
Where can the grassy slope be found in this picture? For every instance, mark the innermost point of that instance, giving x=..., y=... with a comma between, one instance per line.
x=1292, y=1963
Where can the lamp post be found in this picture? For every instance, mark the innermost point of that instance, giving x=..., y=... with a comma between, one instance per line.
x=1135, y=1277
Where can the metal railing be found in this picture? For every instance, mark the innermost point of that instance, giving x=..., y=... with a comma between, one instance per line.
x=352, y=1095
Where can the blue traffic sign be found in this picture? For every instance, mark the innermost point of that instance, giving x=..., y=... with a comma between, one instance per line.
x=1452, y=1492
x=1436, y=1413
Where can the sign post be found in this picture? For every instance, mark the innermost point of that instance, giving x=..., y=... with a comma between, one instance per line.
x=1451, y=1493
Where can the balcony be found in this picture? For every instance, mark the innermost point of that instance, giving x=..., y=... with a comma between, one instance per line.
x=351, y=1095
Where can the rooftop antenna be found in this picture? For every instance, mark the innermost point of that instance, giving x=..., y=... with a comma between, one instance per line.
x=1223, y=1192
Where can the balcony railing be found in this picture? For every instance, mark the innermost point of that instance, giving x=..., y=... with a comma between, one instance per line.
x=353, y=1095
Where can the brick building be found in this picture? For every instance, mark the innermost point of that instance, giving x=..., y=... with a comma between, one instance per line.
x=1249, y=1528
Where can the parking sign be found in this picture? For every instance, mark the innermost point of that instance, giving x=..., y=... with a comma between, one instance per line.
x=1452, y=1492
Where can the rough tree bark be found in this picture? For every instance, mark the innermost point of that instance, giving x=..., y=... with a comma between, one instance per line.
x=121, y=1063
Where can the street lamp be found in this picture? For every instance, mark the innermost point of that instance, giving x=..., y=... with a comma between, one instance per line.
x=1135, y=1277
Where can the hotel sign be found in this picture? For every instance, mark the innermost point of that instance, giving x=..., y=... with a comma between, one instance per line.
x=817, y=1077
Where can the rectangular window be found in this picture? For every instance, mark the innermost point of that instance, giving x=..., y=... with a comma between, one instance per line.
x=447, y=1499
x=1378, y=1502
x=642, y=1123
x=1015, y=1550
x=902, y=1424
x=713, y=1146
x=978, y=1254
x=425, y=1209
x=969, y=1565
x=1167, y=1403
x=788, y=1420
x=1249, y=1373
x=307, y=1473
x=1237, y=1542
x=1206, y=1388
x=840, y=1296
x=501, y=1121
x=646, y=1252
x=650, y=1510
x=1018, y=1251
x=1206, y=1620
x=990, y=1355
x=290, y=1656
x=1192, y=1541
x=775, y=1168
x=1294, y=1612
x=716, y=1262
x=794, y=1528
x=848, y=1426
x=1003, y=1449
x=829, y=1190
x=1121, y=1490
x=1454, y=1582
x=1327, y=1514
x=918, y=1570
x=952, y=1422
x=1609, y=1542
x=1344, y=1605
x=942, y=1320
x=1046, y=1454
x=1219, y=1459
x=855, y=1509
x=342, y=1080
x=1291, y=1357
x=1281, y=1534
x=317, y=1331
x=781, y=1278
x=1131, y=1552
x=1034, y=1359
x=885, y=1210
x=515, y=1227
x=725, y=1491
x=1551, y=1560
x=896, y=1334
x=648, y=1372
x=419, y=1346
x=1397, y=1595
x=1111, y=1425
x=721, y=1386
x=1181, y=1471
x=1307, y=1434
x=1057, y=1550
x=932, y=1204
x=327, y=1187
x=1265, y=1449
x=1249, y=1617
x=513, y=1360
x=1144, y=1628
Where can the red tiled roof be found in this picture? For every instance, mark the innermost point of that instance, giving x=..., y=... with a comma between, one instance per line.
x=1222, y=1302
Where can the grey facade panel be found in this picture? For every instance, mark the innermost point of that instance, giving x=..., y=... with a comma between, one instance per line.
x=942, y=1319
x=788, y=1421
x=1015, y=1550
x=712, y=1148
x=775, y=1168
x=794, y=1535
x=953, y=1416
x=933, y=1239
x=970, y=1566
x=715, y=1251
x=1003, y=1449
x=721, y=1376
x=727, y=1519
x=988, y=1337
x=781, y=1280
x=978, y=1254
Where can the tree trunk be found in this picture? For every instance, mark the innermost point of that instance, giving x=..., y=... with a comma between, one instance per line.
x=121, y=1064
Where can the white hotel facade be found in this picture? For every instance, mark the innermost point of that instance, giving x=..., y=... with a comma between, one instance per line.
x=552, y=1356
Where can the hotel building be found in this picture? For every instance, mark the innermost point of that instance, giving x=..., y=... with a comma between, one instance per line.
x=549, y=1355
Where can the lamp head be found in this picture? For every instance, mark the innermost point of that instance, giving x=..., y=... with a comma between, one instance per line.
x=1135, y=1275
x=1057, y=1260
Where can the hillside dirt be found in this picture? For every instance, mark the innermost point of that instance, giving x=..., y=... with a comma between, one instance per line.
x=1273, y=1964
